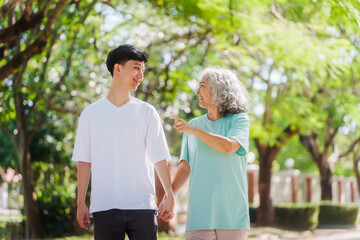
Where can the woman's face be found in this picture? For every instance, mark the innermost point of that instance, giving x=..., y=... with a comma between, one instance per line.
x=204, y=93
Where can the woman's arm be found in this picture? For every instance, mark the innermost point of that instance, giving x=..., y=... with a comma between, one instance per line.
x=182, y=174
x=221, y=143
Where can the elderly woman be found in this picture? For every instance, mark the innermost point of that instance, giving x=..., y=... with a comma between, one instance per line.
x=213, y=154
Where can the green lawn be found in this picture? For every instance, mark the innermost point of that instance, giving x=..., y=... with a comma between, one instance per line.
x=254, y=233
x=162, y=236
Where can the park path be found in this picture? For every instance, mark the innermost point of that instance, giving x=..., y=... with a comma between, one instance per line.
x=318, y=234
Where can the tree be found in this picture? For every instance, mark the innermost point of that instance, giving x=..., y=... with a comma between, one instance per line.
x=283, y=52
x=27, y=100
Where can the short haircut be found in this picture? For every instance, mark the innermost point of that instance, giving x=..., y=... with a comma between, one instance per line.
x=124, y=53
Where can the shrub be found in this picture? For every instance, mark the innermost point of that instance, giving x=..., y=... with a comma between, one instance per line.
x=331, y=213
x=296, y=216
x=56, y=196
x=252, y=212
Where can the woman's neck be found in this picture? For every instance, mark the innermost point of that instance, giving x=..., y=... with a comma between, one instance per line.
x=213, y=114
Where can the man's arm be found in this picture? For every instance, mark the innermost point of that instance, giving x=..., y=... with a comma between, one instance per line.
x=166, y=207
x=221, y=143
x=182, y=174
x=83, y=176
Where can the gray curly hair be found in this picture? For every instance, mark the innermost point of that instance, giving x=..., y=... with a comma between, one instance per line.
x=227, y=91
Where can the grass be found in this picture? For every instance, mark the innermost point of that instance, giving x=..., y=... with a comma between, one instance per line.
x=162, y=236
x=255, y=233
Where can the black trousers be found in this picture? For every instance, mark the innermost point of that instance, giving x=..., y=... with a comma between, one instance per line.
x=137, y=224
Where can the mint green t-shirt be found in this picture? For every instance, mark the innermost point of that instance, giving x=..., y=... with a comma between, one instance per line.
x=218, y=197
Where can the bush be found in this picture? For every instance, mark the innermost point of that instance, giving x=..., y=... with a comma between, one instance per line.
x=331, y=213
x=252, y=212
x=12, y=226
x=56, y=196
x=296, y=216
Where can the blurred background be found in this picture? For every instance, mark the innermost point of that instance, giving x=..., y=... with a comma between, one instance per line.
x=299, y=59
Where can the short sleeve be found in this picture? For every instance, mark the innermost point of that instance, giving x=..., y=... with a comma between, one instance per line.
x=184, y=149
x=82, y=141
x=156, y=145
x=239, y=130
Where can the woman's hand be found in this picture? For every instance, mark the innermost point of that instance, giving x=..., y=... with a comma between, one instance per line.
x=182, y=126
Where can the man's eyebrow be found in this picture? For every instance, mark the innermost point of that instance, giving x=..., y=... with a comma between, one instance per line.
x=140, y=64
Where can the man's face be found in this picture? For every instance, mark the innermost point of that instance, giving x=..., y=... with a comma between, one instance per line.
x=131, y=74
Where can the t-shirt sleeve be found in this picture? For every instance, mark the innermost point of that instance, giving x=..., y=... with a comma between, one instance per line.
x=239, y=130
x=82, y=141
x=184, y=149
x=156, y=145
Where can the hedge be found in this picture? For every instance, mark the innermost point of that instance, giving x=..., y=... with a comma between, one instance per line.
x=334, y=213
x=297, y=215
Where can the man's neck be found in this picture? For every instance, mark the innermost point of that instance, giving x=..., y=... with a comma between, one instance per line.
x=118, y=96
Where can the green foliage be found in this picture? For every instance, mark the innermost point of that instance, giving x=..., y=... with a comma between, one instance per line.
x=296, y=216
x=331, y=213
x=56, y=195
x=299, y=59
x=11, y=230
x=302, y=159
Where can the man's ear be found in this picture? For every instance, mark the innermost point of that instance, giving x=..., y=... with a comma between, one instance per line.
x=117, y=67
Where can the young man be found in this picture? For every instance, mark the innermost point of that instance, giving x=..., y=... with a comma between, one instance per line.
x=119, y=141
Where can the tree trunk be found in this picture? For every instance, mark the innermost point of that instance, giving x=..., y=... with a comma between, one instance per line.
x=265, y=213
x=356, y=170
x=325, y=181
x=33, y=226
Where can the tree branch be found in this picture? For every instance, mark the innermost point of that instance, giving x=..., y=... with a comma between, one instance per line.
x=26, y=22
x=351, y=148
x=36, y=47
x=8, y=7
x=178, y=55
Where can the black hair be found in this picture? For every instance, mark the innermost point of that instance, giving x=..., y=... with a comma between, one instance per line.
x=124, y=53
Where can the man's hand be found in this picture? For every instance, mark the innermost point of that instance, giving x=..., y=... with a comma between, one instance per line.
x=182, y=126
x=83, y=216
x=166, y=208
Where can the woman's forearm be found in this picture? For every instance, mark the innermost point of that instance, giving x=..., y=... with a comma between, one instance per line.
x=221, y=143
x=181, y=176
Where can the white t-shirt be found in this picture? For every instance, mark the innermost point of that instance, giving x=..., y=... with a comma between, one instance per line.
x=122, y=144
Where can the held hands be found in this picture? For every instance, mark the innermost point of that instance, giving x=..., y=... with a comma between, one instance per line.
x=166, y=208
x=83, y=216
x=182, y=126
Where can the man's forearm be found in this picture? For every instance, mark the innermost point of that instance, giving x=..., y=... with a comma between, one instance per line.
x=83, y=176
x=162, y=171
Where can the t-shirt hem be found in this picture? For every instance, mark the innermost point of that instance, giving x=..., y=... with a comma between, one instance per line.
x=242, y=151
x=75, y=160
x=122, y=208
x=165, y=157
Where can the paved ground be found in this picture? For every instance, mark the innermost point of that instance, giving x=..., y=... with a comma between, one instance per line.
x=317, y=234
